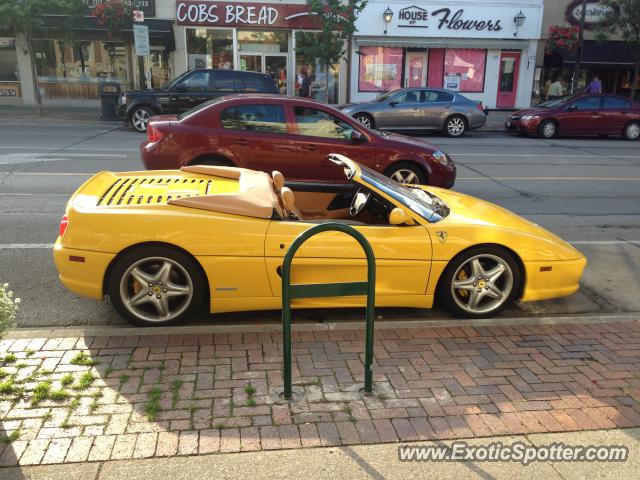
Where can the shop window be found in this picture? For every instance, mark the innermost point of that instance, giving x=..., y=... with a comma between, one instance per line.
x=380, y=69
x=255, y=118
x=322, y=83
x=8, y=64
x=210, y=48
x=317, y=123
x=160, y=72
x=263, y=42
x=469, y=65
x=80, y=61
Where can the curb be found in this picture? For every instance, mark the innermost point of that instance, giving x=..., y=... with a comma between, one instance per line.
x=302, y=327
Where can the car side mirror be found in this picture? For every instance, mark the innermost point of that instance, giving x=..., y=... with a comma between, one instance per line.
x=180, y=87
x=399, y=217
x=357, y=136
x=571, y=108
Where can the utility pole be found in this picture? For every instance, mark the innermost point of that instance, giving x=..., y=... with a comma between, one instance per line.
x=576, y=72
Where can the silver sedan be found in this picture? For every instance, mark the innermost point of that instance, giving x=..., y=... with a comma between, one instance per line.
x=420, y=109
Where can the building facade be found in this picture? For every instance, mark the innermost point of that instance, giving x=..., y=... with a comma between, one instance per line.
x=484, y=49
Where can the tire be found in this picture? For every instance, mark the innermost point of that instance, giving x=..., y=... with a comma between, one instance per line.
x=548, y=129
x=365, y=119
x=140, y=118
x=141, y=276
x=407, y=173
x=631, y=131
x=455, y=126
x=463, y=271
x=212, y=160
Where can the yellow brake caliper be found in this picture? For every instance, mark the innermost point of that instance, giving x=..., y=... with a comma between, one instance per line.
x=463, y=276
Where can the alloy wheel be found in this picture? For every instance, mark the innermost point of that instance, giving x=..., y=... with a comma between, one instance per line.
x=140, y=120
x=156, y=289
x=482, y=284
x=405, y=177
x=364, y=120
x=548, y=130
x=632, y=132
x=455, y=126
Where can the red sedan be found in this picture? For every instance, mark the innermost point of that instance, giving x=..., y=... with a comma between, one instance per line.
x=589, y=114
x=292, y=135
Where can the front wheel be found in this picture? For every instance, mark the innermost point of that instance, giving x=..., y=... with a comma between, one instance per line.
x=548, y=129
x=631, y=131
x=479, y=283
x=365, y=120
x=156, y=286
x=140, y=118
x=455, y=126
x=407, y=174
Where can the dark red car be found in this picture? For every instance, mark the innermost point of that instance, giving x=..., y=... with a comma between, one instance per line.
x=289, y=134
x=588, y=114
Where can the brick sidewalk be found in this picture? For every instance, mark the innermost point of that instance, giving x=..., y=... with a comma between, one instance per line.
x=185, y=395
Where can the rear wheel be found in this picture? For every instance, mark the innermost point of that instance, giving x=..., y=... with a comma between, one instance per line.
x=548, y=129
x=631, y=131
x=481, y=282
x=140, y=118
x=407, y=173
x=156, y=286
x=365, y=120
x=455, y=126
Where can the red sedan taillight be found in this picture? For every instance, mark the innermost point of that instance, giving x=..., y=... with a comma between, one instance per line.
x=154, y=134
x=64, y=223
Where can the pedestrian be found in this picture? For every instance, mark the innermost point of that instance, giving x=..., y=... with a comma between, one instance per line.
x=305, y=82
x=556, y=90
x=595, y=86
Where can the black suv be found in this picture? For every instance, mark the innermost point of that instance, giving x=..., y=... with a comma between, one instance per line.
x=188, y=90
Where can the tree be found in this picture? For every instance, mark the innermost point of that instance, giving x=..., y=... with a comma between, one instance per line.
x=336, y=23
x=25, y=17
x=623, y=21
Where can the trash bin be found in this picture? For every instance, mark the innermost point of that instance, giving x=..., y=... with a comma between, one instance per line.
x=109, y=93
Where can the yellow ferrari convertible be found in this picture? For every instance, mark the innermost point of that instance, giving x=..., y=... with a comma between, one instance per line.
x=163, y=244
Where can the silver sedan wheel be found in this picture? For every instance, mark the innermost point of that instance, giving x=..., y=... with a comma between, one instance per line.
x=632, y=132
x=406, y=177
x=549, y=130
x=156, y=289
x=364, y=120
x=455, y=126
x=140, y=120
x=482, y=284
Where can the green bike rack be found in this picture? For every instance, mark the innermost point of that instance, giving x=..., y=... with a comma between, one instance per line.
x=343, y=289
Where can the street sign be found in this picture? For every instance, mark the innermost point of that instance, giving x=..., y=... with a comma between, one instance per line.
x=138, y=16
x=141, y=39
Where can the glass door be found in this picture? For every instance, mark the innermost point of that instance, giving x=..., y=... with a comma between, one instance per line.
x=251, y=62
x=508, y=79
x=276, y=66
x=415, y=72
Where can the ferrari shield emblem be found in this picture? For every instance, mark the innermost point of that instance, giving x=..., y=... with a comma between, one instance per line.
x=442, y=236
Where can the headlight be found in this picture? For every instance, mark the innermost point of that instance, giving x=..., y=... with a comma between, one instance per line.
x=441, y=157
x=526, y=118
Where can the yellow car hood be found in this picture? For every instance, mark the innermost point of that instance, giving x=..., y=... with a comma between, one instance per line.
x=469, y=211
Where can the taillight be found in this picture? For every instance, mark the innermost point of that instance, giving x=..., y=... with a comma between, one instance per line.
x=153, y=134
x=480, y=107
x=64, y=223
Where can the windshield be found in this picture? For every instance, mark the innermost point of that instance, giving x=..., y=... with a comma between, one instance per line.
x=425, y=204
x=175, y=81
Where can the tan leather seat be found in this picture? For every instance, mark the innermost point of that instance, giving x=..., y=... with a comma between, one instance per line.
x=289, y=202
x=278, y=180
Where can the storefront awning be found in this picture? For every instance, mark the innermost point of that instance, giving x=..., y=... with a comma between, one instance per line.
x=499, y=44
x=160, y=31
x=604, y=54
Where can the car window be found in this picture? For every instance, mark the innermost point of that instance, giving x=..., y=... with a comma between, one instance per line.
x=587, y=103
x=253, y=83
x=436, y=96
x=224, y=81
x=615, y=102
x=410, y=96
x=317, y=123
x=197, y=82
x=255, y=118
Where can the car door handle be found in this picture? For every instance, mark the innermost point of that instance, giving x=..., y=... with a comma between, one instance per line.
x=173, y=99
x=241, y=142
x=309, y=148
x=279, y=271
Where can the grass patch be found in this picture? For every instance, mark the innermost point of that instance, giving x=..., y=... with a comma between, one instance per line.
x=75, y=403
x=83, y=359
x=153, y=404
x=3, y=373
x=85, y=381
x=29, y=352
x=47, y=416
x=220, y=426
x=175, y=392
x=41, y=392
x=250, y=402
x=108, y=371
x=250, y=390
x=59, y=395
x=349, y=412
x=21, y=365
x=9, y=358
x=44, y=372
x=93, y=406
x=66, y=380
x=12, y=437
x=9, y=387
x=124, y=378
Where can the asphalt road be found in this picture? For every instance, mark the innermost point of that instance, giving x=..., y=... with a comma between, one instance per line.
x=585, y=190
